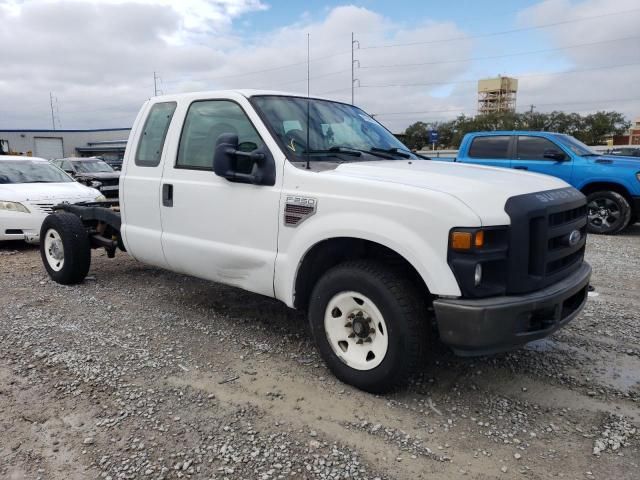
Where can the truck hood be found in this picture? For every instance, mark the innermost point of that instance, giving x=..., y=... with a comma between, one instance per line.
x=99, y=175
x=30, y=192
x=484, y=190
x=617, y=160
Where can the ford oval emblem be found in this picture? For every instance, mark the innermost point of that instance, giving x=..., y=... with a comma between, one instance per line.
x=574, y=237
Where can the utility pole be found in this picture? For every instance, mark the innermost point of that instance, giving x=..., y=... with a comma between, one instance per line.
x=155, y=84
x=354, y=80
x=53, y=118
x=531, y=107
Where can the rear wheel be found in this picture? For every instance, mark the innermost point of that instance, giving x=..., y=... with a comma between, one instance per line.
x=65, y=248
x=369, y=324
x=609, y=212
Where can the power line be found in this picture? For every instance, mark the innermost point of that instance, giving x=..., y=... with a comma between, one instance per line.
x=604, y=67
x=266, y=70
x=488, y=57
x=503, y=32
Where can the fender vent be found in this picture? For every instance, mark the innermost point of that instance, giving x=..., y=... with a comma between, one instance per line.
x=297, y=209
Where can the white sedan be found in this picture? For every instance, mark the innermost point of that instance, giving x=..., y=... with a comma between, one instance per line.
x=29, y=188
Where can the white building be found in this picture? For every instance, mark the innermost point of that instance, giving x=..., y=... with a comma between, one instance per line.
x=106, y=142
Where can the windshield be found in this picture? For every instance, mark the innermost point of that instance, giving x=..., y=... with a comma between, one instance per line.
x=31, y=171
x=92, y=166
x=334, y=128
x=576, y=146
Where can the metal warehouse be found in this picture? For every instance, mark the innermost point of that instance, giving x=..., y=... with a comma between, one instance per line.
x=106, y=142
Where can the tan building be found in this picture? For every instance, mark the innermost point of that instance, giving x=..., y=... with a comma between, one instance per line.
x=497, y=94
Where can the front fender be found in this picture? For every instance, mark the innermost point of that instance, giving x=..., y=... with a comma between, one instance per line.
x=424, y=248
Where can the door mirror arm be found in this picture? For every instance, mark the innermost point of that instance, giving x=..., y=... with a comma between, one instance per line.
x=225, y=159
x=555, y=155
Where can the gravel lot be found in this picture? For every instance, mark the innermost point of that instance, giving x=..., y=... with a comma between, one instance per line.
x=141, y=373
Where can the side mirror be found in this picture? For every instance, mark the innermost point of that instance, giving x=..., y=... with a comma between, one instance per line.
x=554, y=154
x=228, y=160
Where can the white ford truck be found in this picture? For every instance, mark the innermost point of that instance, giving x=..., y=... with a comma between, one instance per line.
x=313, y=202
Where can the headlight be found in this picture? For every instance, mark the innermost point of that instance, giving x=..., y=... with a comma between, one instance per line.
x=13, y=207
x=100, y=198
x=96, y=183
x=478, y=259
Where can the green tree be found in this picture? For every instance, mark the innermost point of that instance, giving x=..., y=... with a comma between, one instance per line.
x=592, y=129
x=417, y=135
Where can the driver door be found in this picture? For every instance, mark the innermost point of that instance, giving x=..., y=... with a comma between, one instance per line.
x=530, y=155
x=213, y=228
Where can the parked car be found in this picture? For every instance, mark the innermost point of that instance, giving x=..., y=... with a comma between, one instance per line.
x=625, y=152
x=611, y=183
x=315, y=203
x=29, y=188
x=92, y=172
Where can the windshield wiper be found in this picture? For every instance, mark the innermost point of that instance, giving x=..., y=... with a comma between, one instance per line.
x=394, y=150
x=336, y=149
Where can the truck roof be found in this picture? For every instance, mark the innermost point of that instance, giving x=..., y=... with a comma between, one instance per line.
x=514, y=132
x=248, y=93
x=21, y=157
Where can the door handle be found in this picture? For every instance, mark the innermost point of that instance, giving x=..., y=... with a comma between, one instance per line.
x=521, y=168
x=167, y=195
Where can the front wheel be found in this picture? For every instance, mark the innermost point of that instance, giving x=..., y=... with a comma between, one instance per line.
x=369, y=324
x=609, y=212
x=65, y=248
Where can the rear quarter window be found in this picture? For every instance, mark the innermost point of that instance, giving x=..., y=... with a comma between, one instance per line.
x=154, y=133
x=490, y=147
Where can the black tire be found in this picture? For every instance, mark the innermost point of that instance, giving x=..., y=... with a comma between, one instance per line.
x=76, y=248
x=404, y=312
x=609, y=212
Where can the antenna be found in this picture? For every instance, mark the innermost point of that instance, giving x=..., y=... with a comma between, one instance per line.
x=308, y=94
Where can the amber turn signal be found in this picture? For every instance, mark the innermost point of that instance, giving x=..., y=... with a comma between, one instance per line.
x=461, y=240
x=466, y=240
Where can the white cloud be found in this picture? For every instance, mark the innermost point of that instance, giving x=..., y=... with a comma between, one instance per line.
x=98, y=57
x=584, y=91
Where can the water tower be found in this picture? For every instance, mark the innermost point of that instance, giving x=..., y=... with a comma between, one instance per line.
x=497, y=94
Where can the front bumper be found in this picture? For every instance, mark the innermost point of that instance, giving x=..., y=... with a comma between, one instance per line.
x=21, y=226
x=490, y=325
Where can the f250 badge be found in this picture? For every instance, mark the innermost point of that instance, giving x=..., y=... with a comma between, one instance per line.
x=297, y=209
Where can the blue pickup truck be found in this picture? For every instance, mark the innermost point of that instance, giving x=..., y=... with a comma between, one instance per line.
x=611, y=183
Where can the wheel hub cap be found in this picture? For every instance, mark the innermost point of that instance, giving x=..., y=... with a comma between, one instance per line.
x=360, y=325
x=56, y=250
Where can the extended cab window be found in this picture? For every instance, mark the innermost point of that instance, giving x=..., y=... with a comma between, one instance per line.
x=206, y=121
x=155, y=129
x=493, y=147
x=533, y=148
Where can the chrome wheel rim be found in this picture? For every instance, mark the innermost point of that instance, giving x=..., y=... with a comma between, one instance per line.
x=54, y=250
x=356, y=330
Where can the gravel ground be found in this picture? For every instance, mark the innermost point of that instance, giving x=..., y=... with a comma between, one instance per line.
x=141, y=373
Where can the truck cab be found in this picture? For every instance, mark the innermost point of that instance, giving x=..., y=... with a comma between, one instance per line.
x=315, y=203
x=611, y=183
